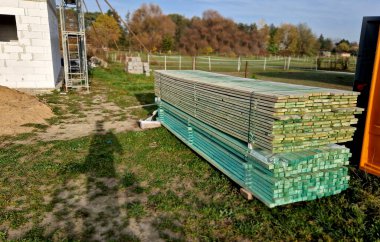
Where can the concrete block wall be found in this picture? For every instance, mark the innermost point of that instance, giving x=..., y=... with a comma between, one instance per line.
x=54, y=39
x=34, y=60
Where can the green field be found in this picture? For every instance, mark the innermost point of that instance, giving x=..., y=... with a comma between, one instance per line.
x=229, y=64
x=233, y=64
x=301, y=72
x=146, y=185
x=344, y=81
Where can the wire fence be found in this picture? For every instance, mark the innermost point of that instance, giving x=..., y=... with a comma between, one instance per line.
x=240, y=64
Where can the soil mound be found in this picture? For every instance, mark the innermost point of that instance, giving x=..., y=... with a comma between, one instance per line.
x=18, y=111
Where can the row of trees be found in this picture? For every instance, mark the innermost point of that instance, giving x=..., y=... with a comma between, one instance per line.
x=151, y=30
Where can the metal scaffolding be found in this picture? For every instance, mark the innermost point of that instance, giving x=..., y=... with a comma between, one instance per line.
x=74, y=44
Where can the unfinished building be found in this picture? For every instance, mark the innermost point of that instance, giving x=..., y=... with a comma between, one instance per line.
x=29, y=44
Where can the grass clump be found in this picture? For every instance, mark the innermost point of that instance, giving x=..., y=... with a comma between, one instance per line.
x=116, y=177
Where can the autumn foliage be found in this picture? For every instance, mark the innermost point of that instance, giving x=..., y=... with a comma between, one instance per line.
x=105, y=31
x=149, y=29
x=214, y=33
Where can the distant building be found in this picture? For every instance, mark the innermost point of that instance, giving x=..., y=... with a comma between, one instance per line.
x=29, y=44
x=345, y=55
x=324, y=53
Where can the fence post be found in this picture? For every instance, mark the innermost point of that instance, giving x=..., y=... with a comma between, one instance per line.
x=239, y=64
x=289, y=62
x=165, y=62
x=330, y=63
x=209, y=63
x=316, y=63
x=194, y=63
x=180, y=62
x=265, y=63
x=246, y=69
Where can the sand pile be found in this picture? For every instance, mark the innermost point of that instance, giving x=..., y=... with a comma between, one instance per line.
x=18, y=109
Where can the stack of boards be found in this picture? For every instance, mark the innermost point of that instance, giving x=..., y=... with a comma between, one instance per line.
x=276, y=140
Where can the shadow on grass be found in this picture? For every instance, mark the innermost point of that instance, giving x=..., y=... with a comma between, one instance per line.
x=87, y=207
x=102, y=204
x=146, y=98
x=100, y=159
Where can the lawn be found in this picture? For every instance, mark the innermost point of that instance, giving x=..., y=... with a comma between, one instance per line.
x=344, y=81
x=230, y=64
x=147, y=185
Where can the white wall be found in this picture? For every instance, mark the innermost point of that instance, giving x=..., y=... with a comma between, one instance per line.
x=34, y=60
x=54, y=39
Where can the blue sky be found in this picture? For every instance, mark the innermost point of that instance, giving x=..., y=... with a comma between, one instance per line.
x=333, y=18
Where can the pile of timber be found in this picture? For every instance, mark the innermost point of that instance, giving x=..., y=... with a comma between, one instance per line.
x=236, y=124
x=275, y=116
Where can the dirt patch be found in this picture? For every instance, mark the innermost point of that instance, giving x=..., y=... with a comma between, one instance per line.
x=72, y=131
x=19, y=232
x=18, y=109
x=93, y=209
x=81, y=123
x=144, y=230
x=73, y=127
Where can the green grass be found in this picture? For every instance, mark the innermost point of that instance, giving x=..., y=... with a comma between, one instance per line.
x=309, y=78
x=303, y=73
x=124, y=89
x=230, y=64
x=183, y=196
